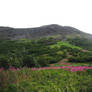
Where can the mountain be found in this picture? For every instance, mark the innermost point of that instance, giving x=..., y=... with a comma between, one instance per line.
x=53, y=30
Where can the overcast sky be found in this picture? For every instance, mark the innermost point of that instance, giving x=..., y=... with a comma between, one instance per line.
x=34, y=13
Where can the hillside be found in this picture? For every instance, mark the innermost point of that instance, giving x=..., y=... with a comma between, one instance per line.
x=39, y=53
x=56, y=31
x=50, y=58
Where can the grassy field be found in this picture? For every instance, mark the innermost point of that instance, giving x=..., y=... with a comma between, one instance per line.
x=46, y=79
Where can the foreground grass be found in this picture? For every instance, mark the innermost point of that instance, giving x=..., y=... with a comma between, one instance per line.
x=53, y=80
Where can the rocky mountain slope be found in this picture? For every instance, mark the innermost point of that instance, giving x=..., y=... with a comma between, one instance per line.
x=54, y=30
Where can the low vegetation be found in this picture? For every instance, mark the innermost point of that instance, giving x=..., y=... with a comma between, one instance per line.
x=46, y=80
x=44, y=65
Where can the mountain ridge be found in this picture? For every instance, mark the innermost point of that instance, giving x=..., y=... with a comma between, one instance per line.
x=9, y=33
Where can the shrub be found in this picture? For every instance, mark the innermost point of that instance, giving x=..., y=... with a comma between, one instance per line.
x=4, y=62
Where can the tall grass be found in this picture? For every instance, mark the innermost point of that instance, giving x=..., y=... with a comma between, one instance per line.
x=52, y=80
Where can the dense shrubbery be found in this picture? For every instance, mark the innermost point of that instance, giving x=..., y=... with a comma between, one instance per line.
x=81, y=57
x=82, y=42
x=38, y=53
x=20, y=53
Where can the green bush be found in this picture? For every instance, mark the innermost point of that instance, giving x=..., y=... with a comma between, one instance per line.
x=4, y=62
x=36, y=53
x=80, y=59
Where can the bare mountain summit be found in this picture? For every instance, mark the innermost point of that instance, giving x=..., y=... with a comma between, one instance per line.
x=54, y=30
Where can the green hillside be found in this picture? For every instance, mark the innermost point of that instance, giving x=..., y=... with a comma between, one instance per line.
x=45, y=65
x=39, y=53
